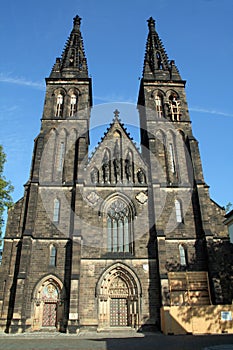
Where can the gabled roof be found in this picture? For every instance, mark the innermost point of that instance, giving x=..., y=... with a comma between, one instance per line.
x=118, y=125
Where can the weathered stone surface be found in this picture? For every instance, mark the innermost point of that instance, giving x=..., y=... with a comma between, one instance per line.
x=95, y=238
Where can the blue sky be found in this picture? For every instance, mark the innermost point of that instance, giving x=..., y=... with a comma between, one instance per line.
x=196, y=34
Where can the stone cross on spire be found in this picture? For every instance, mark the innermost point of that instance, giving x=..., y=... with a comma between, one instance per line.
x=77, y=22
x=151, y=24
x=116, y=113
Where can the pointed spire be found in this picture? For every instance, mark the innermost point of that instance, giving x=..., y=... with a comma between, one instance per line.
x=156, y=63
x=73, y=63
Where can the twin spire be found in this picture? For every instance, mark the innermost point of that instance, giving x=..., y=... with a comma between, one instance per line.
x=156, y=63
x=73, y=63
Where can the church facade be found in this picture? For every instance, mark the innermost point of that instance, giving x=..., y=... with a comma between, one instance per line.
x=107, y=240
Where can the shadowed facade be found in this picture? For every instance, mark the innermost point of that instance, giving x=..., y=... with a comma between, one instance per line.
x=106, y=241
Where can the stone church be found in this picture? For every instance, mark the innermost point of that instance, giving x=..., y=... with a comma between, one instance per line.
x=109, y=240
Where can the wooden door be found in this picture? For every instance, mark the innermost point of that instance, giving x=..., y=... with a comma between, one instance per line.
x=118, y=312
x=49, y=315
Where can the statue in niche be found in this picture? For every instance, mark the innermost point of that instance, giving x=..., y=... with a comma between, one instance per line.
x=116, y=162
x=94, y=176
x=105, y=168
x=128, y=168
x=141, y=176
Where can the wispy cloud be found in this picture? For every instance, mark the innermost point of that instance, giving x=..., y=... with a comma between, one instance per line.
x=8, y=109
x=209, y=111
x=6, y=78
x=114, y=98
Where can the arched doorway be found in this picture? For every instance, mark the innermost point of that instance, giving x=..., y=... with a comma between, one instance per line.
x=48, y=304
x=118, y=292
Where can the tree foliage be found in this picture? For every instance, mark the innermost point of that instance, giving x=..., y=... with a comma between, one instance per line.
x=5, y=189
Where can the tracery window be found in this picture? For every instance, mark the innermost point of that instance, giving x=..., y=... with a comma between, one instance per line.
x=56, y=210
x=174, y=108
x=159, y=106
x=73, y=105
x=59, y=105
x=119, y=227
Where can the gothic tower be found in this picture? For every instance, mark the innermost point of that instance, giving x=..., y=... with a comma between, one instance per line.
x=110, y=240
x=185, y=220
x=38, y=240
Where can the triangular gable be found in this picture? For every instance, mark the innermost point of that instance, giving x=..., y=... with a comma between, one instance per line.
x=116, y=159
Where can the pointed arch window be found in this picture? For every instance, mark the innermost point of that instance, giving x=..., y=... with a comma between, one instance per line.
x=183, y=255
x=53, y=256
x=159, y=106
x=73, y=105
x=172, y=158
x=56, y=210
x=178, y=208
x=119, y=227
x=59, y=105
x=174, y=108
x=61, y=156
x=159, y=60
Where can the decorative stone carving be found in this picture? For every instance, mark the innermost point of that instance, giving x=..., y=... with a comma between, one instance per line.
x=142, y=197
x=92, y=198
x=118, y=210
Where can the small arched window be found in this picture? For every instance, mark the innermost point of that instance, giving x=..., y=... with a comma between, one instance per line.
x=159, y=106
x=53, y=256
x=59, y=105
x=73, y=105
x=183, y=255
x=178, y=208
x=174, y=108
x=56, y=210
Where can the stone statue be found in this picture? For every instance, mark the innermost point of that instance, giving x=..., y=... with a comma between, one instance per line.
x=141, y=176
x=116, y=164
x=128, y=169
x=105, y=168
x=94, y=176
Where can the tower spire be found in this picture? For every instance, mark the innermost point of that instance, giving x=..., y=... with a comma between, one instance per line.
x=156, y=63
x=73, y=63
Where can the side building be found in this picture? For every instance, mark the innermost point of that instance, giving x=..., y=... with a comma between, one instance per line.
x=115, y=239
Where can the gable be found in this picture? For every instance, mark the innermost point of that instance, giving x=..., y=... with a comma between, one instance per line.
x=116, y=160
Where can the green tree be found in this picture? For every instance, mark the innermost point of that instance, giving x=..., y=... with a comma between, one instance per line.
x=5, y=189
